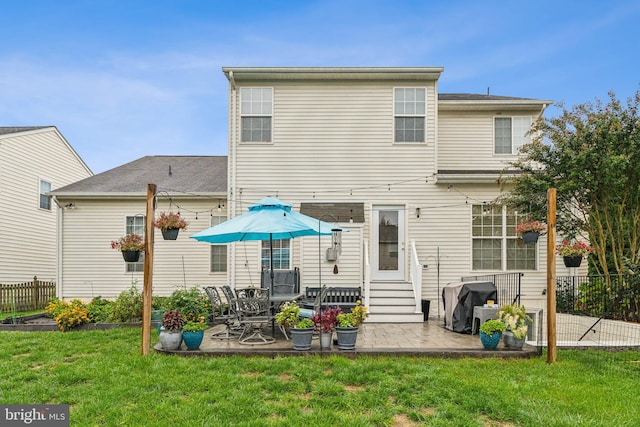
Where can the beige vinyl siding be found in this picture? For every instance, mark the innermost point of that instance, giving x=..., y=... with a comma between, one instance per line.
x=466, y=140
x=91, y=268
x=28, y=245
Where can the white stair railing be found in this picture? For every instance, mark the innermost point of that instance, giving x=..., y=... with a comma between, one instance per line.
x=367, y=273
x=416, y=276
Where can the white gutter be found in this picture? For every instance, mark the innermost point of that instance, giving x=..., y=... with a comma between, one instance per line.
x=59, y=224
x=231, y=172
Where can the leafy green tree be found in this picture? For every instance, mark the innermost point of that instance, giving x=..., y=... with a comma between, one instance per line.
x=591, y=155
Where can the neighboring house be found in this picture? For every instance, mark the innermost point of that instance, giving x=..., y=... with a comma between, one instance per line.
x=33, y=161
x=102, y=208
x=408, y=171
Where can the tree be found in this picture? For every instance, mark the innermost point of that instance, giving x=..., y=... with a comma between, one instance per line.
x=591, y=155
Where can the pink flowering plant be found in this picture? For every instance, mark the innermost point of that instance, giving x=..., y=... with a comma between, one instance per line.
x=130, y=242
x=531, y=225
x=169, y=221
x=326, y=319
x=573, y=249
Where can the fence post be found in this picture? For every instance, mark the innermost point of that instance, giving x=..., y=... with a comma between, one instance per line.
x=35, y=293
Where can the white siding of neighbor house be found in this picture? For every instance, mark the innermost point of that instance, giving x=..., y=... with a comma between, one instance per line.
x=91, y=268
x=466, y=140
x=334, y=143
x=28, y=244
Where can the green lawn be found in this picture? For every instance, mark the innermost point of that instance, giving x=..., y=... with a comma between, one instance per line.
x=102, y=375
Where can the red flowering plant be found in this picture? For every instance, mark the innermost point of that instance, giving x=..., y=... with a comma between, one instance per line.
x=130, y=242
x=326, y=319
x=531, y=225
x=169, y=221
x=573, y=249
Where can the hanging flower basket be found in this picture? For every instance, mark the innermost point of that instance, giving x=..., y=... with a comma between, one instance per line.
x=170, y=224
x=530, y=237
x=170, y=233
x=131, y=256
x=572, y=261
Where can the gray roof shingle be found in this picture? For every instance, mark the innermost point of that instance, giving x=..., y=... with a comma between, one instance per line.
x=185, y=174
x=5, y=130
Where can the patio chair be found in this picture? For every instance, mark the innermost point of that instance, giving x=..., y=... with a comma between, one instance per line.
x=223, y=312
x=284, y=281
x=254, y=309
x=308, y=310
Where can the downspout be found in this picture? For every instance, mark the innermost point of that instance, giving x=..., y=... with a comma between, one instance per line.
x=231, y=177
x=59, y=223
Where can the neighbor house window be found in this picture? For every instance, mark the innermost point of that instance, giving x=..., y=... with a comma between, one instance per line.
x=495, y=245
x=135, y=224
x=409, y=113
x=281, y=254
x=218, y=252
x=511, y=134
x=256, y=106
x=45, y=201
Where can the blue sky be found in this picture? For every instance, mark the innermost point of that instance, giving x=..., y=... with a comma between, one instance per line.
x=122, y=79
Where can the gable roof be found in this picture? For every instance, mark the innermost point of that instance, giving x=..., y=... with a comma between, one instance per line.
x=190, y=175
x=5, y=130
x=469, y=101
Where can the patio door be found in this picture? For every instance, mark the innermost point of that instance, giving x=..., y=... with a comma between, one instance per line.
x=388, y=248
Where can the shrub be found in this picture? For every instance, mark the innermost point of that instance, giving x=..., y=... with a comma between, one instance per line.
x=192, y=303
x=198, y=326
x=68, y=315
x=99, y=310
x=128, y=306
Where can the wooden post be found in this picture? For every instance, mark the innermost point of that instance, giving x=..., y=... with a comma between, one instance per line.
x=35, y=301
x=148, y=269
x=551, y=275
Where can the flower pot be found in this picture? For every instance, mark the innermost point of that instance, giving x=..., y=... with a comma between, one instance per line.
x=572, y=261
x=131, y=256
x=530, y=237
x=170, y=233
x=157, y=314
x=170, y=340
x=490, y=342
x=347, y=338
x=325, y=339
x=301, y=338
x=193, y=339
x=510, y=341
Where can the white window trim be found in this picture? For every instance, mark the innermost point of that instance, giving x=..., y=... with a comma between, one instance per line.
x=40, y=180
x=256, y=115
x=394, y=115
x=514, y=151
x=226, y=246
x=503, y=253
x=141, y=260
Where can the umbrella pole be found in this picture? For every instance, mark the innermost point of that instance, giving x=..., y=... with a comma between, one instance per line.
x=271, y=259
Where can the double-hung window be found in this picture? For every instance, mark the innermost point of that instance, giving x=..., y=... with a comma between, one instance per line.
x=135, y=224
x=256, y=111
x=511, y=134
x=281, y=254
x=409, y=113
x=45, y=201
x=218, y=251
x=495, y=245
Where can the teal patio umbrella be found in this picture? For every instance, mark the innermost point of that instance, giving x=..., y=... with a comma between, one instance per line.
x=268, y=219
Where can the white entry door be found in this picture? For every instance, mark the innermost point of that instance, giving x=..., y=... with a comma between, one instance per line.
x=388, y=243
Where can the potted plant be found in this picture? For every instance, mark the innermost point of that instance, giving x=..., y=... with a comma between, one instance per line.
x=348, y=325
x=530, y=230
x=515, y=319
x=130, y=245
x=170, y=224
x=572, y=253
x=325, y=322
x=288, y=316
x=193, y=333
x=491, y=332
x=302, y=334
x=171, y=330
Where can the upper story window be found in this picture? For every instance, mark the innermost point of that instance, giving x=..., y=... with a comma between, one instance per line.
x=45, y=201
x=218, y=251
x=409, y=114
x=135, y=224
x=495, y=245
x=256, y=111
x=511, y=134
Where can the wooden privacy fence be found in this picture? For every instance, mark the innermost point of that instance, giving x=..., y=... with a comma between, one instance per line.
x=27, y=295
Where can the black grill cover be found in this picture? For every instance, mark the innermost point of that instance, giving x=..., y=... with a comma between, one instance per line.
x=471, y=294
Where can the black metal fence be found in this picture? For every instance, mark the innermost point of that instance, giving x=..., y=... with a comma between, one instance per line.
x=24, y=296
x=507, y=285
x=615, y=297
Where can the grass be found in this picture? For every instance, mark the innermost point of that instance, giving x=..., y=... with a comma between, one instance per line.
x=102, y=375
x=7, y=314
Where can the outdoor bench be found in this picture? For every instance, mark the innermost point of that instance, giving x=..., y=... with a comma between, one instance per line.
x=343, y=297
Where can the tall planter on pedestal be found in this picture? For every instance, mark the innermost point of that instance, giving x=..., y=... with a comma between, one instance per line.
x=325, y=322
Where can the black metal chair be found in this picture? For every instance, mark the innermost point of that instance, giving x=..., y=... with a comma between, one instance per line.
x=309, y=309
x=223, y=312
x=254, y=309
